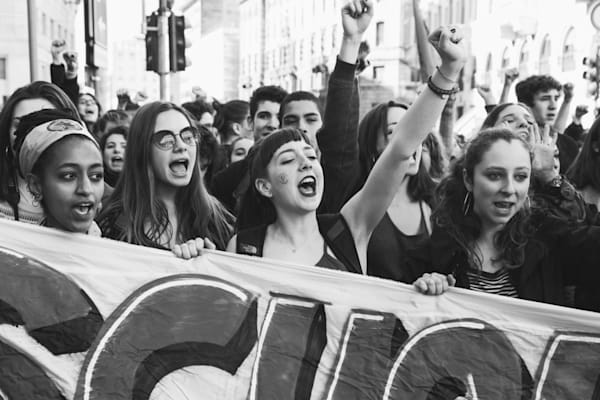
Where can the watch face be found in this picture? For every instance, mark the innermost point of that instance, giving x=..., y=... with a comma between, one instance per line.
x=556, y=181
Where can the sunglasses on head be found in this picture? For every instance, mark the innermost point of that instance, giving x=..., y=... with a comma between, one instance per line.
x=165, y=139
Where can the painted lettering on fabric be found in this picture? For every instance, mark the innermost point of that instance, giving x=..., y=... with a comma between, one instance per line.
x=53, y=309
x=166, y=325
x=290, y=346
x=470, y=351
x=570, y=368
x=369, y=343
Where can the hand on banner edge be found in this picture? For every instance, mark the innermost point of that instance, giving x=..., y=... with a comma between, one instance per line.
x=193, y=248
x=434, y=284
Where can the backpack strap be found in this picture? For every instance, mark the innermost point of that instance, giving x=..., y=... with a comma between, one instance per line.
x=250, y=241
x=338, y=237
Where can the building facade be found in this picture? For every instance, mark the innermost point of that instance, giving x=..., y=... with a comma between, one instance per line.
x=214, y=52
x=128, y=70
x=53, y=19
x=293, y=44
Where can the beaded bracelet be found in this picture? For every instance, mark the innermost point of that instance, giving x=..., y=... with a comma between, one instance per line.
x=443, y=93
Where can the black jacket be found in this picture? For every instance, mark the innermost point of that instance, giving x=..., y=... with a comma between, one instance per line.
x=563, y=253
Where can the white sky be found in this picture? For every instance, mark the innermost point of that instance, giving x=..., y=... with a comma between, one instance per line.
x=125, y=16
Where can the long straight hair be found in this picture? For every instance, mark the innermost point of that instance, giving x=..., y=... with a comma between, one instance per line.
x=142, y=217
x=585, y=170
x=373, y=125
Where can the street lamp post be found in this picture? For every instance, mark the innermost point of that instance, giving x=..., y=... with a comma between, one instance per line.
x=163, y=49
x=32, y=28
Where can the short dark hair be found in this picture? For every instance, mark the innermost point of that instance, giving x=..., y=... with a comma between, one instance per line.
x=299, y=96
x=117, y=116
x=527, y=88
x=117, y=130
x=255, y=209
x=276, y=94
x=198, y=108
x=228, y=113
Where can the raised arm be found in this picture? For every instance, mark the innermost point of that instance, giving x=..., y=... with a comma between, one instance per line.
x=509, y=77
x=364, y=211
x=65, y=77
x=565, y=108
x=338, y=138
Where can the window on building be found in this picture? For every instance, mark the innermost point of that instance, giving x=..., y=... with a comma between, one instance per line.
x=545, y=54
x=408, y=27
x=379, y=33
x=59, y=31
x=378, y=72
x=524, y=59
x=334, y=37
x=505, y=58
x=52, y=36
x=2, y=68
x=568, y=52
x=44, y=24
x=487, y=76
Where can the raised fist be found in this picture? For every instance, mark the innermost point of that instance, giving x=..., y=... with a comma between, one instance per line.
x=448, y=42
x=510, y=75
x=356, y=16
x=57, y=49
x=71, y=63
x=568, y=90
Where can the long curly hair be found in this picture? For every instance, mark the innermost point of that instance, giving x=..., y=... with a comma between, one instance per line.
x=135, y=212
x=466, y=229
x=8, y=167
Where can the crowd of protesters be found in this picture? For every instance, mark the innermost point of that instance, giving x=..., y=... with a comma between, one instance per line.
x=513, y=212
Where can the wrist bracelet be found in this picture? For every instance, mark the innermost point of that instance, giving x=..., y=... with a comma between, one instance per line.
x=444, y=75
x=443, y=93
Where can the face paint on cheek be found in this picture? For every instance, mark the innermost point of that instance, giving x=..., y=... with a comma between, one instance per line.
x=283, y=179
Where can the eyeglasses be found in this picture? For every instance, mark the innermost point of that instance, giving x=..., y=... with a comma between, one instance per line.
x=165, y=140
x=89, y=103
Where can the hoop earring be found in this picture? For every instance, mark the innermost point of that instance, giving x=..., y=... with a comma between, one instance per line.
x=36, y=200
x=467, y=203
x=528, y=202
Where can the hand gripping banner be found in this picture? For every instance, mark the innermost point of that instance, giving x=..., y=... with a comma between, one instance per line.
x=89, y=318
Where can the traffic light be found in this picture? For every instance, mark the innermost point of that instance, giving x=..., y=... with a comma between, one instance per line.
x=592, y=75
x=152, y=42
x=177, y=43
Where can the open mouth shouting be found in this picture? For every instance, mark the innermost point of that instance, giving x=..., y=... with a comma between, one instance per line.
x=116, y=161
x=308, y=186
x=504, y=207
x=179, y=167
x=84, y=210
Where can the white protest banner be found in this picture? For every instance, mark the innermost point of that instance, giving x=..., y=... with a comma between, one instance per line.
x=90, y=318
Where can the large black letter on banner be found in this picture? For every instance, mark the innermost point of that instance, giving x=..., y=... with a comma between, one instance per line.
x=291, y=342
x=166, y=325
x=21, y=378
x=570, y=368
x=52, y=309
x=455, y=357
x=369, y=344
